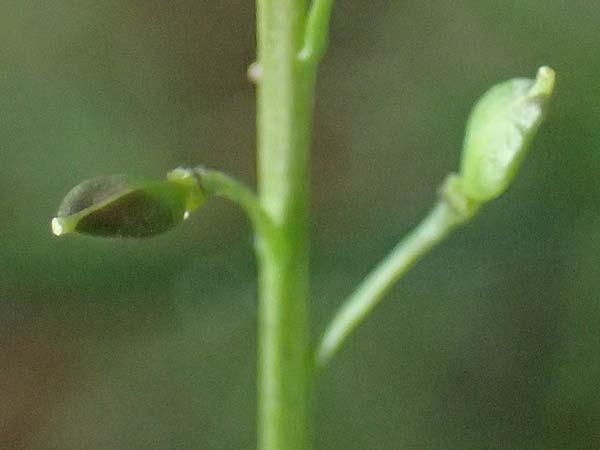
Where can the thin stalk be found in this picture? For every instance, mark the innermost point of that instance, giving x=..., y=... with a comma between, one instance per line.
x=442, y=219
x=222, y=185
x=317, y=31
x=284, y=104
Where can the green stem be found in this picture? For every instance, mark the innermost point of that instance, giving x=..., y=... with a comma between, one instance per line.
x=222, y=185
x=443, y=218
x=317, y=31
x=284, y=103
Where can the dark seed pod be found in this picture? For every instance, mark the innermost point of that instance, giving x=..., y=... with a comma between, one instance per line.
x=124, y=206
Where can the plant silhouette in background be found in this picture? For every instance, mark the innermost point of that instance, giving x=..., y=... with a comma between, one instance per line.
x=291, y=43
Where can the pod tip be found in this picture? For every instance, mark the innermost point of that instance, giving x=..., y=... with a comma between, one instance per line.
x=57, y=226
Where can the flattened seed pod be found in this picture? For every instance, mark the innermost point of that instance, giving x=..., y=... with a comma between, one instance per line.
x=124, y=206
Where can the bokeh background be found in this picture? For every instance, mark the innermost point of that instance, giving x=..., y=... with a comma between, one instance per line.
x=492, y=342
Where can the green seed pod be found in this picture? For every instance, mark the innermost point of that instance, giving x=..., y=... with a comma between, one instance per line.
x=499, y=131
x=124, y=206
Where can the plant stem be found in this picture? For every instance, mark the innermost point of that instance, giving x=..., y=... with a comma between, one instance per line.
x=442, y=219
x=222, y=185
x=317, y=31
x=284, y=103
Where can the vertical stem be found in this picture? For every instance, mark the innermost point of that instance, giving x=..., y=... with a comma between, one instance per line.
x=285, y=97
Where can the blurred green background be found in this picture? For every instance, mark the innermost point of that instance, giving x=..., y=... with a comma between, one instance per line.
x=492, y=342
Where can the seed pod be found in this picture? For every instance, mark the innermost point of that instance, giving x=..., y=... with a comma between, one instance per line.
x=499, y=131
x=124, y=206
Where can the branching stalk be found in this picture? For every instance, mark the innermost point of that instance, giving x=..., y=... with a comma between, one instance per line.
x=442, y=219
x=222, y=185
x=316, y=36
x=284, y=105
